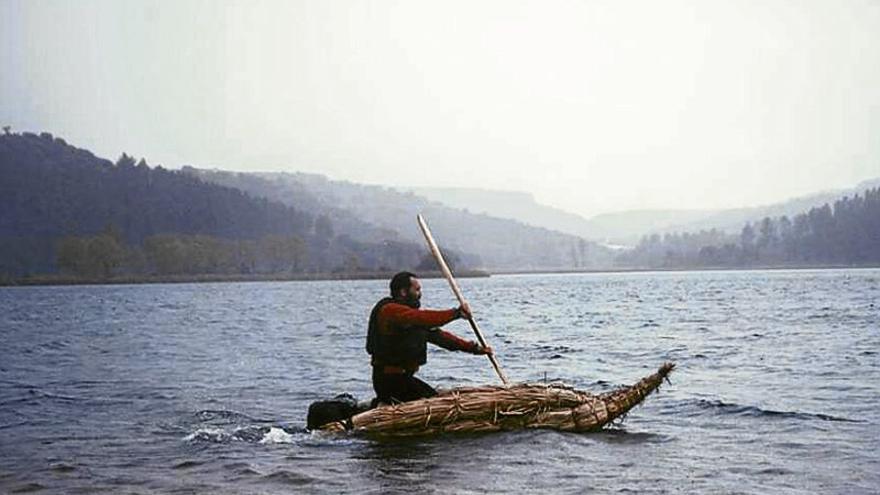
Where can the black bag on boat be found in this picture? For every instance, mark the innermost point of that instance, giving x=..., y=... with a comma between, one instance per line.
x=339, y=408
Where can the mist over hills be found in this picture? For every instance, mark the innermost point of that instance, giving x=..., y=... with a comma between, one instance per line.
x=611, y=228
x=845, y=232
x=732, y=220
x=512, y=205
x=831, y=228
x=626, y=227
x=630, y=227
x=482, y=240
x=63, y=209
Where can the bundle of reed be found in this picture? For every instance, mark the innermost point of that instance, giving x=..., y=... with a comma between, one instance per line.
x=495, y=408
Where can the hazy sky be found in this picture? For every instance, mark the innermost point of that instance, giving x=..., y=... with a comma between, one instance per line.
x=593, y=106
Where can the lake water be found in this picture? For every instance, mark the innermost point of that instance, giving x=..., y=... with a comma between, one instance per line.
x=203, y=388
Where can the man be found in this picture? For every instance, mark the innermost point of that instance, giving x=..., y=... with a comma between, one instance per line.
x=398, y=335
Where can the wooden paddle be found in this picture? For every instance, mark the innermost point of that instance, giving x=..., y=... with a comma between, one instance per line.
x=457, y=291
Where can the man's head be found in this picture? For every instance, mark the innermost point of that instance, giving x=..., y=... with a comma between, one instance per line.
x=405, y=287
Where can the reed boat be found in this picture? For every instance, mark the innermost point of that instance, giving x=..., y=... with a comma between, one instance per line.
x=500, y=408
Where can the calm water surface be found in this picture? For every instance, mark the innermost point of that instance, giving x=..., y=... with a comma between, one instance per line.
x=202, y=388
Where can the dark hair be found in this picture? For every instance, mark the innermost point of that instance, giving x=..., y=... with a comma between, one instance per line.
x=402, y=280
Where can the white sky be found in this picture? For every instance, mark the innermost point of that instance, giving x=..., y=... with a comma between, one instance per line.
x=593, y=106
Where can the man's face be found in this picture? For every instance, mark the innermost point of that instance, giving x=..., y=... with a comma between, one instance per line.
x=414, y=293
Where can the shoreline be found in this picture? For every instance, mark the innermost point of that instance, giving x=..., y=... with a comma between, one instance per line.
x=687, y=269
x=61, y=280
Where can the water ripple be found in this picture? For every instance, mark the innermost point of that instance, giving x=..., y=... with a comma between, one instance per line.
x=721, y=407
x=201, y=388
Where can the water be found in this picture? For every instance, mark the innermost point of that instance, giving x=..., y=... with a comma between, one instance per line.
x=203, y=388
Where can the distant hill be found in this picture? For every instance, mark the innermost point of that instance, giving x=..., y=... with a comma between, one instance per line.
x=512, y=205
x=617, y=228
x=292, y=190
x=625, y=227
x=54, y=194
x=843, y=232
x=732, y=220
x=484, y=241
x=51, y=189
x=629, y=227
x=62, y=209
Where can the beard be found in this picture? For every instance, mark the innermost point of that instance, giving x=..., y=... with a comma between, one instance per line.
x=413, y=302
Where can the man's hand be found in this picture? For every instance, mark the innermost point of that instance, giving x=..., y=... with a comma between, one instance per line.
x=484, y=350
x=464, y=311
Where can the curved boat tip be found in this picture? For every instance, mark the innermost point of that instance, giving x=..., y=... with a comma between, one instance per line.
x=620, y=401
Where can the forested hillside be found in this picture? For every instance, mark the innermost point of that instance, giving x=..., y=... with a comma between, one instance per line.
x=64, y=209
x=732, y=220
x=484, y=241
x=846, y=232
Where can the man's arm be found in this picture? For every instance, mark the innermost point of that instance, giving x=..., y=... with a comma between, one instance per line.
x=452, y=342
x=401, y=314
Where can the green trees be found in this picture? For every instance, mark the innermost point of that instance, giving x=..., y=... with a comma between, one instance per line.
x=103, y=256
x=282, y=254
x=95, y=257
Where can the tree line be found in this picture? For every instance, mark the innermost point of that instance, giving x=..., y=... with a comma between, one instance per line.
x=106, y=255
x=62, y=209
x=846, y=232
